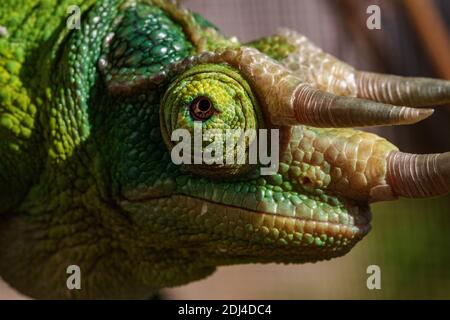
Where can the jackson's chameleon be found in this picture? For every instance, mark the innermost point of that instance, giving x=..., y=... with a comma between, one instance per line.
x=86, y=174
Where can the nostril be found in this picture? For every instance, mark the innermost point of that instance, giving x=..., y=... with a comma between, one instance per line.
x=305, y=181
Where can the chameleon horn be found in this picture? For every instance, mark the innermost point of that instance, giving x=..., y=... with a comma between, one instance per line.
x=418, y=175
x=409, y=91
x=289, y=100
x=322, y=109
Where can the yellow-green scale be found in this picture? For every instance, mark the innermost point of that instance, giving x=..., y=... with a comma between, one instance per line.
x=31, y=30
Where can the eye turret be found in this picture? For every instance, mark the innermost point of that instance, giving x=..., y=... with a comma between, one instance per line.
x=214, y=106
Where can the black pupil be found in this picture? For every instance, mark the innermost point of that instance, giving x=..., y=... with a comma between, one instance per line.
x=204, y=105
x=201, y=109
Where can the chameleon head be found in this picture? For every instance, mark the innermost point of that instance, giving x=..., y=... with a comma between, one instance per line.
x=314, y=206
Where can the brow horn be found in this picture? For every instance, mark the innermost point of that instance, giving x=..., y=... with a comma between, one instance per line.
x=418, y=175
x=408, y=91
x=289, y=100
x=321, y=109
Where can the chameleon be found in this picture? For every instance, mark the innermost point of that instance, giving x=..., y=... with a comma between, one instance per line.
x=86, y=175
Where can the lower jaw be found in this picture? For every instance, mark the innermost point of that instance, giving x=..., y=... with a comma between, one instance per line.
x=292, y=225
x=299, y=239
x=283, y=229
x=292, y=240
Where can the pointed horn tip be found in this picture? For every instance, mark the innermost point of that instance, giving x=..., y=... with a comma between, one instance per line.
x=406, y=115
x=422, y=114
x=418, y=175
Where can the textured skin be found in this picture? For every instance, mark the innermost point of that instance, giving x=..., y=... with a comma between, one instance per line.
x=86, y=176
x=304, y=58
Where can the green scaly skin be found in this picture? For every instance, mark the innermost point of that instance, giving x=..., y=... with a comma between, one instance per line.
x=86, y=177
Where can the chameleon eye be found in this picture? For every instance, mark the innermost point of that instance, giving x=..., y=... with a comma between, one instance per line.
x=221, y=100
x=201, y=108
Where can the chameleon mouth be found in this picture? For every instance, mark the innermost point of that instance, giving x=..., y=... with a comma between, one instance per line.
x=357, y=225
x=246, y=222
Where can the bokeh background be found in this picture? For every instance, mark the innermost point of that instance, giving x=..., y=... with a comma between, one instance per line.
x=410, y=239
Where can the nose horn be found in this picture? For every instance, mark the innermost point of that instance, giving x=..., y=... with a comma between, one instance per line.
x=418, y=175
